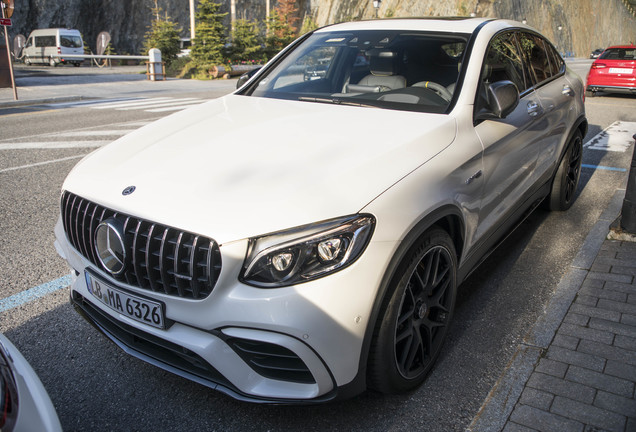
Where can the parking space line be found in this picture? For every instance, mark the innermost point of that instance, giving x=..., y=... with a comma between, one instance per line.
x=601, y=167
x=35, y=293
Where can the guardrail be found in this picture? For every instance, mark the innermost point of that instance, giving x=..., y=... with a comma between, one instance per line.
x=154, y=67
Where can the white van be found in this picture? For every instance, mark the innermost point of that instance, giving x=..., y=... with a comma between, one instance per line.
x=44, y=45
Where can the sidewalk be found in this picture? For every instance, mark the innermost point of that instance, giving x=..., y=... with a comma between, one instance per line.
x=576, y=369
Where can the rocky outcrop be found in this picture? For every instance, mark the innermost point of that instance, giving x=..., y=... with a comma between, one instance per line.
x=575, y=26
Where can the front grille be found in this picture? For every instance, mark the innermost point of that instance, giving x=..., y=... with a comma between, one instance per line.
x=159, y=258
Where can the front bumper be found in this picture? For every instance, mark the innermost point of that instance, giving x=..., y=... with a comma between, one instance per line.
x=285, y=345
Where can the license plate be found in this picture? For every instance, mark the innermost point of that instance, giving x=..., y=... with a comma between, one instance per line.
x=621, y=70
x=134, y=307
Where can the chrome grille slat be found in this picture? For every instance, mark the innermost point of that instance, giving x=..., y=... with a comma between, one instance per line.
x=160, y=258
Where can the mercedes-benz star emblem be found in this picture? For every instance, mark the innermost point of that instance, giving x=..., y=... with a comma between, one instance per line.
x=109, y=245
x=128, y=190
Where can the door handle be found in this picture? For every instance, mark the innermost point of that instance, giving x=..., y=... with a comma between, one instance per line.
x=567, y=91
x=533, y=108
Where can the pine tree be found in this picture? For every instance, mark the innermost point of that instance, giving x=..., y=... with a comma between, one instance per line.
x=246, y=42
x=163, y=34
x=208, y=48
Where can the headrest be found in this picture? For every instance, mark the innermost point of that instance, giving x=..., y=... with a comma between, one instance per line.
x=382, y=62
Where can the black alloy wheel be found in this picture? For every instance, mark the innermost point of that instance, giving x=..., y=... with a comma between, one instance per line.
x=566, y=180
x=410, y=334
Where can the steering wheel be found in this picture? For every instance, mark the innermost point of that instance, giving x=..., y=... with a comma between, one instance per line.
x=438, y=88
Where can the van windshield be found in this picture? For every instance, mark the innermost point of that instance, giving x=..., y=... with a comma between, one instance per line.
x=70, y=41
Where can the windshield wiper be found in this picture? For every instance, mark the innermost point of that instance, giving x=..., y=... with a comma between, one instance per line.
x=336, y=101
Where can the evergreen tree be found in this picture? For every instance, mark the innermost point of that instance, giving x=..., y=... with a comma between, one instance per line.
x=208, y=48
x=246, y=42
x=163, y=34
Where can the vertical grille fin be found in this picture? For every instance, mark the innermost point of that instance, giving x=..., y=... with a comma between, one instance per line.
x=160, y=258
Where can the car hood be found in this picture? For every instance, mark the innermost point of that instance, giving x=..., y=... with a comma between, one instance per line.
x=241, y=166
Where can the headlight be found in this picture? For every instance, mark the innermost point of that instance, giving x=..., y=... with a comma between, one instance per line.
x=302, y=254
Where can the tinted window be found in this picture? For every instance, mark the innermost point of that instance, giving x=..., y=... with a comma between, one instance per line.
x=44, y=41
x=619, y=54
x=503, y=62
x=70, y=41
x=556, y=62
x=537, y=60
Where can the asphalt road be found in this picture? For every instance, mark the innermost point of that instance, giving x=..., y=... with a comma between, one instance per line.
x=95, y=386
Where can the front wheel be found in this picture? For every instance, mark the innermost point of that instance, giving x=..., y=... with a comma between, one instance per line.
x=415, y=317
x=566, y=179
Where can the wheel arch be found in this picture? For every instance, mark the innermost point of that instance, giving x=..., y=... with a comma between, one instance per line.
x=449, y=218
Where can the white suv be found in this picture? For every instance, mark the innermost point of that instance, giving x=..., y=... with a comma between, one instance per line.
x=303, y=238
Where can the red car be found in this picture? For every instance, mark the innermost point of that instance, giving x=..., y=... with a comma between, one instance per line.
x=614, y=70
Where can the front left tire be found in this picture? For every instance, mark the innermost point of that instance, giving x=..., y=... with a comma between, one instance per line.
x=414, y=320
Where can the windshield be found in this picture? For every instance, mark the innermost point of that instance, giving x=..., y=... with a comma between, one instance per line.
x=413, y=71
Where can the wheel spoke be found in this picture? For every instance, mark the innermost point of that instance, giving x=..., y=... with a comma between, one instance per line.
x=411, y=352
x=424, y=312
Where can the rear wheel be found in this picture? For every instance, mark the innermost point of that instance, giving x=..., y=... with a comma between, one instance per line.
x=414, y=319
x=52, y=62
x=567, y=176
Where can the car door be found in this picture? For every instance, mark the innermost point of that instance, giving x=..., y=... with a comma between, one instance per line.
x=546, y=70
x=511, y=144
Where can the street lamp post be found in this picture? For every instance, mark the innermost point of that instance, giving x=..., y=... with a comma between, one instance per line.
x=376, y=5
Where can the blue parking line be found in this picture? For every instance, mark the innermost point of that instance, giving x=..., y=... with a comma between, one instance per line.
x=34, y=293
x=601, y=167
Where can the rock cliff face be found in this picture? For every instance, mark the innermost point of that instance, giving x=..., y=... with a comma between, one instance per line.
x=575, y=26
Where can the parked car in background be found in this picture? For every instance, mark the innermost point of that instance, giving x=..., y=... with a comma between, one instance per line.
x=24, y=404
x=49, y=46
x=301, y=240
x=596, y=53
x=614, y=71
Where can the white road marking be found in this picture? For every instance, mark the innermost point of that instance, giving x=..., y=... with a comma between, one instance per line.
x=41, y=163
x=617, y=137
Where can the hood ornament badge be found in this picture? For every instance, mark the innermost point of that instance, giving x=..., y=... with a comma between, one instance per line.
x=128, y=190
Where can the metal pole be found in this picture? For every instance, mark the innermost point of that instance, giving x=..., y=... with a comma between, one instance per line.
x=232, y=14
x=6, y=38
x=191, y=21
x=628, y=212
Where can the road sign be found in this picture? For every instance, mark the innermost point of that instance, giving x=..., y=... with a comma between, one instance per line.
x=7, y=6
x=5, y=21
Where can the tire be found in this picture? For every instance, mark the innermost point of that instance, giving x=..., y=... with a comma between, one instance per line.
x=566, y=179
x=27, y=61
x=415, y=315
x=52, y=62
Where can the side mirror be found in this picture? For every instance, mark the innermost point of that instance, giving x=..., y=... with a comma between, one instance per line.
x=503, y=98
x=246, y=77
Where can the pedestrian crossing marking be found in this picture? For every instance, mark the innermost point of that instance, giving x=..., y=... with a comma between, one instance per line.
x=156, y=104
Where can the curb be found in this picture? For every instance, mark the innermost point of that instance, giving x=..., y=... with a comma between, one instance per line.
x=54, y=99
x=496, y=409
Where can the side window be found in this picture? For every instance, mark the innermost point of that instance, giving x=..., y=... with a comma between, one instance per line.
x=556, y=62
x=503, y=62
x=44, y=41
x=536, y=57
